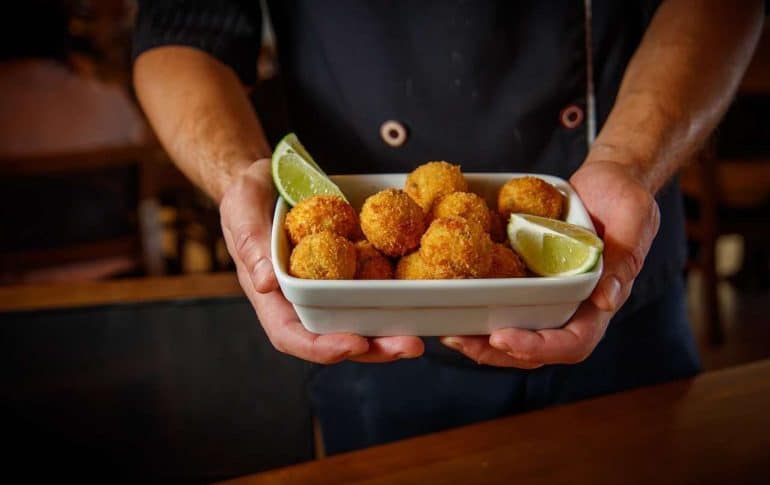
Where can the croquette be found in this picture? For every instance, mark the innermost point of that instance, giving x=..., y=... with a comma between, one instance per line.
x=466, y=205
x=372, y=265
x=459, y=246
x=323, y=256
x=530, y=195
x=497, y=227
x=392, y=222
x=412, y=267
x=506, y=263
x=430, y=181
x=321, y=213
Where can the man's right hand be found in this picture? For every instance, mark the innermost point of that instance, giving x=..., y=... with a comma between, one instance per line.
x=246, y=214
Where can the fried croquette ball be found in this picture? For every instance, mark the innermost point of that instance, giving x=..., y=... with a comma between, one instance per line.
x=466, y=205
x=323, y=256
x=392, y=222
x=412, y=267
x=460, y=246
x=372, y=265
x=506, y=263
x=321, y=213
x=497, y=227
x=430, y=181
x=530, y=195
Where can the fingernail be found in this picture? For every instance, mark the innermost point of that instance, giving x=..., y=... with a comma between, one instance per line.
x=498, y=343
x=518, y=356
x=612, y=291
x=261, y=274
x=406, y=355
x=452, y=343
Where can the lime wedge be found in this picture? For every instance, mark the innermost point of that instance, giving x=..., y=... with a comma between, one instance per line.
x=290, y=143
x=551, y=247
x=296, y=176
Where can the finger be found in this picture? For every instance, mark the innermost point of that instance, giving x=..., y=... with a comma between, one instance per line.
x=570, y=344
x=286, y=333
x=621, y=267
x=478, y=349
x=387, y=349
x=251, y=251
x=246, y=225
x=627, y=242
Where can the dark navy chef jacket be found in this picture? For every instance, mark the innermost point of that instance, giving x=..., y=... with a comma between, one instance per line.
x=491, y=85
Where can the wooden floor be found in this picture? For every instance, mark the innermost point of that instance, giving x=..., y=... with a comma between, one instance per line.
x=746, y=322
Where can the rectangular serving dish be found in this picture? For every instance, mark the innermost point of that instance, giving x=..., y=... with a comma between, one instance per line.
x=432, y=307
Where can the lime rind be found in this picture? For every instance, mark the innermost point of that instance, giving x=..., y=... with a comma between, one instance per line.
x=290, y=143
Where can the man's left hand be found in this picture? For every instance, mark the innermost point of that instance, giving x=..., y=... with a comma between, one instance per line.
x=627, y=217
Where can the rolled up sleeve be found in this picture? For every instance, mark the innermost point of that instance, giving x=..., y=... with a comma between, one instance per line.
x=229, y=30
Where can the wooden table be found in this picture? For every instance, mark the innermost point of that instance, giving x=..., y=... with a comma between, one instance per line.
x=711, y=429
x=130, y=290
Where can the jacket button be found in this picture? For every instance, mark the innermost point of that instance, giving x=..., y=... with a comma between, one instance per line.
x=571, y=116
x=393, y=133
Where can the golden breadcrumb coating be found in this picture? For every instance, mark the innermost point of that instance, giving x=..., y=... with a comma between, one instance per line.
x=506, y=263
x=412, y=267
x=372, y=265
x=321, y=213
x=466, y=205
x=497, y=230
x=460, y=246
x=530, y=195
x=392, y=222
x=323, y=256
x=430, y=181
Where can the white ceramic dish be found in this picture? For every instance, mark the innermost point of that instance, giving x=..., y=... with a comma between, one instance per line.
x=432, y=307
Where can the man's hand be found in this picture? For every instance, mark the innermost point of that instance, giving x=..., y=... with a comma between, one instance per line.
x=246, y=221
x=675, y=89
x=627, y=218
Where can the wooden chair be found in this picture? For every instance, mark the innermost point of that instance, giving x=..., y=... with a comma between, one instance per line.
x=723, y=208
x=730, y=183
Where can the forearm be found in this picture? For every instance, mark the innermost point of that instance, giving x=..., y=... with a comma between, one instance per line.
x=201, y=114
x=678, y=85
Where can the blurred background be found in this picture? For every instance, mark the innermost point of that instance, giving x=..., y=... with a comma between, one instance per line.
x=116, y=291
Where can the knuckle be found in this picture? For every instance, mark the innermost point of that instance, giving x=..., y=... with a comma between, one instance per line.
x=631, y=263
x=525, y=357
x=327, y=360
x=279, y=346
x=655, y=215
x=277, y=343
x=483, y=357
x=231, y=196
x=246, y=248
x=636, y=259
x=650, y=212
x=578, y=357
x=639, y=196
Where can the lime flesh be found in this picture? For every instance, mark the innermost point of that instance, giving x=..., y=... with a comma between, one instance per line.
x=296, y=175
x=550, y=247
x=290, y=143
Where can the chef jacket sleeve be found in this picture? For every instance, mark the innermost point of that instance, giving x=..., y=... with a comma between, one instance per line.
x=229, y=30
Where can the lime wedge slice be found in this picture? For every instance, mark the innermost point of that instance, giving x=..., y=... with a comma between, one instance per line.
x=296, y=178
x=551, y=247
x=290, y=143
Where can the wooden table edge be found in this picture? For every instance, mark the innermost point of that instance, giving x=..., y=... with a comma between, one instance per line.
x=289, y=474
x=131, y=290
